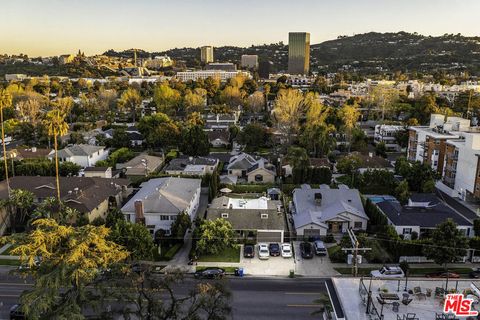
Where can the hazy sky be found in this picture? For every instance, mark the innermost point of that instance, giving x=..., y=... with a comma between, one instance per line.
x=53, y=27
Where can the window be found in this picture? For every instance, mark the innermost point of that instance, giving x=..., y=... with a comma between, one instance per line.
x=173, y=218
x=258, y=178
x=168, y=232
x=357, y=225
x=264, y=216
x=225, y=215
x=407, y=230
x=164, y=217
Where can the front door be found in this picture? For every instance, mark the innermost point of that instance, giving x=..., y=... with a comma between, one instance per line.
x=335, y=227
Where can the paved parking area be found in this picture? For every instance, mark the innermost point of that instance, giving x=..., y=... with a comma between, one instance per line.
x=274, y=266
x=318, y=266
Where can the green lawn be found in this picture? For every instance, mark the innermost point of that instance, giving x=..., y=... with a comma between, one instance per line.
x=167, y=253
x=228, y=255
x=8, y=262
x=227, y=269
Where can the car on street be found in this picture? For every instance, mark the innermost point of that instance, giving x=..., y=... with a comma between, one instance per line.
x=286, y=250
x=320, y=249
x=274, y=249
x=263, y=252
x=248, y=251
x=306, y=250
x=16, y=312
x=475, y=273
x=443, y=274
x=210, y=273
x=388, y=272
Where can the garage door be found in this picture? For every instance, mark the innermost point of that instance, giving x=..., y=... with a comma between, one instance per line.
x=311, y=232
x=263, y=236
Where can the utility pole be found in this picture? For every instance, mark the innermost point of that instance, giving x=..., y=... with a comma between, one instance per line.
x=355, y=249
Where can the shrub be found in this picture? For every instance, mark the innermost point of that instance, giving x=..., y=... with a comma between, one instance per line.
x=329, y=238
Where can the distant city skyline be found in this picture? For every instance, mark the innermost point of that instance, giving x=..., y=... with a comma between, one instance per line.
x=54, y=27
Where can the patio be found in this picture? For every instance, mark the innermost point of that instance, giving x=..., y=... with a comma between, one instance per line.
x=388, y=299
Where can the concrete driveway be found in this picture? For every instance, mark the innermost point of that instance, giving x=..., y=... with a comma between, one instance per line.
x=274, y=266
x=318, y=266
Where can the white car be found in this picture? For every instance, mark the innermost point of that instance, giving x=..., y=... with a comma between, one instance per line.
x=388, y=272
x=286, y=250
x=263, y=252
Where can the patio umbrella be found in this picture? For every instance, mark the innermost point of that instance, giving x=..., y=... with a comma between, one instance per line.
x=225, y=190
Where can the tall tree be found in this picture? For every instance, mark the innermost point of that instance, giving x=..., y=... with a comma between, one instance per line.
x=349, y=115
x=215, y=236
x=130, y=100
x=256, y=102
x=289, y=107
x=57, y=127
x=166, y=98
x=298, y=158
x=134, y=237
x=71, y=259
x=5, y=102
x=194, y=141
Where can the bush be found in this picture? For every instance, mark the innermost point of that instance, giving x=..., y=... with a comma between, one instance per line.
x=329, y=238
x=336, y=254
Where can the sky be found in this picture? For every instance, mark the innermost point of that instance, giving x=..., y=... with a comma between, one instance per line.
x=54, y=27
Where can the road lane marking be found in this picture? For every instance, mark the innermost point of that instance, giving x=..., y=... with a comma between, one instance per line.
x=9, y=295
x=304, y=293
x=304, y=305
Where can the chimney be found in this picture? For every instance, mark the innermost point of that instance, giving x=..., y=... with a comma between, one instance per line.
x=318, y=198
x=139, y=216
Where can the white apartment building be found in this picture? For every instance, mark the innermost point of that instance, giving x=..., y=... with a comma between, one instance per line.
x=249, y=61
x=215, y=74
x=387, y=134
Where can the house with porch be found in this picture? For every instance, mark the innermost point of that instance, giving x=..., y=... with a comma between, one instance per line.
x=317, y=212
x=251, y=169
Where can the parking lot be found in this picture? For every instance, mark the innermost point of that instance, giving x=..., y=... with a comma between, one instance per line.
x=318, y=266
x=273, y=266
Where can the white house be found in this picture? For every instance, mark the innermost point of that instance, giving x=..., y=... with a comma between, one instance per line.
x=317, y=212
x=159, y=201
x=82, y=154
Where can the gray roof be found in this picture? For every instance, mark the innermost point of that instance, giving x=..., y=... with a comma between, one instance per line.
x=248, y=219
x=135, y=166
x=79, y=150
x=165, y=195
x=424, y=217
x=179, y=164
x=334, y=202
x=242, y=161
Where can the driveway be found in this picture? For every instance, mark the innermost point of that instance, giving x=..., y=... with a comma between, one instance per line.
x=318, y=266
x=274, y=266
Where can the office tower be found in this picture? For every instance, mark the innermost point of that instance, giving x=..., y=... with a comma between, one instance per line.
x=264, y=69
x=298, y=52
x=249, y=61
x=206, y=54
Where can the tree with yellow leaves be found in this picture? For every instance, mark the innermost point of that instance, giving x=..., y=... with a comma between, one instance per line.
x=130, y=100
x=193, y=102
x=5, y=102
x=63, y=262
x=349, y=115
x=256, y=101
x=289, y=107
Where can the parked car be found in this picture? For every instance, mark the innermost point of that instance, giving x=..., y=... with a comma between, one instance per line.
x=306, y=250
x=274, y=249
x=388, y=272
x=263, y=252
x=286, y=250
x=248, y=251
x=16, y=312
x=442, y=274
x=320, y=249
x=210, y=273
x=475, y=273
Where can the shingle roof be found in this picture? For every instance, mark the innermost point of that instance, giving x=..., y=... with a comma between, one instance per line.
x=81, y=193
x=181, y=163
x=164, y=195
x=242, y=161
x=424, y=217
x=334, y=202
x=79, y=150
x=136, y=166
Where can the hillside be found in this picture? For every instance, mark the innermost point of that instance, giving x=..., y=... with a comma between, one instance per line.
x=369, y=53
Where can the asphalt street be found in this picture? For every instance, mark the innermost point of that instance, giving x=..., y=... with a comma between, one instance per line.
x=252, y=298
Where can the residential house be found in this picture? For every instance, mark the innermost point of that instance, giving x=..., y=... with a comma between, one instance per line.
x=421, y=214
x=159, y=201
x=251, y=169
x=261, y=219
x=91, y=196
x=287, y=169
x=387, y=134
x=99, y=172
x=317, y=212
x=82, y=154
x=217, y=121
x=193, y=166
x=219, y=138
x=372, y=162
x=28, y=153
x=141, y=166
x=134, y=136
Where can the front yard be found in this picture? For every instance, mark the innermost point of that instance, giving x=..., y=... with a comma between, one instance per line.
x=227, y=255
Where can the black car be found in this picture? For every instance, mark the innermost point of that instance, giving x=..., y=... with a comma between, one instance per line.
x=274, y=249
x=248, y=251
x=210, y=273
x=475, y=274
x=16, y=312
x=306, y=249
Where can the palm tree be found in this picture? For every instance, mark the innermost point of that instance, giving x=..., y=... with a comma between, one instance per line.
x=56, y=125
x=5, y=101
